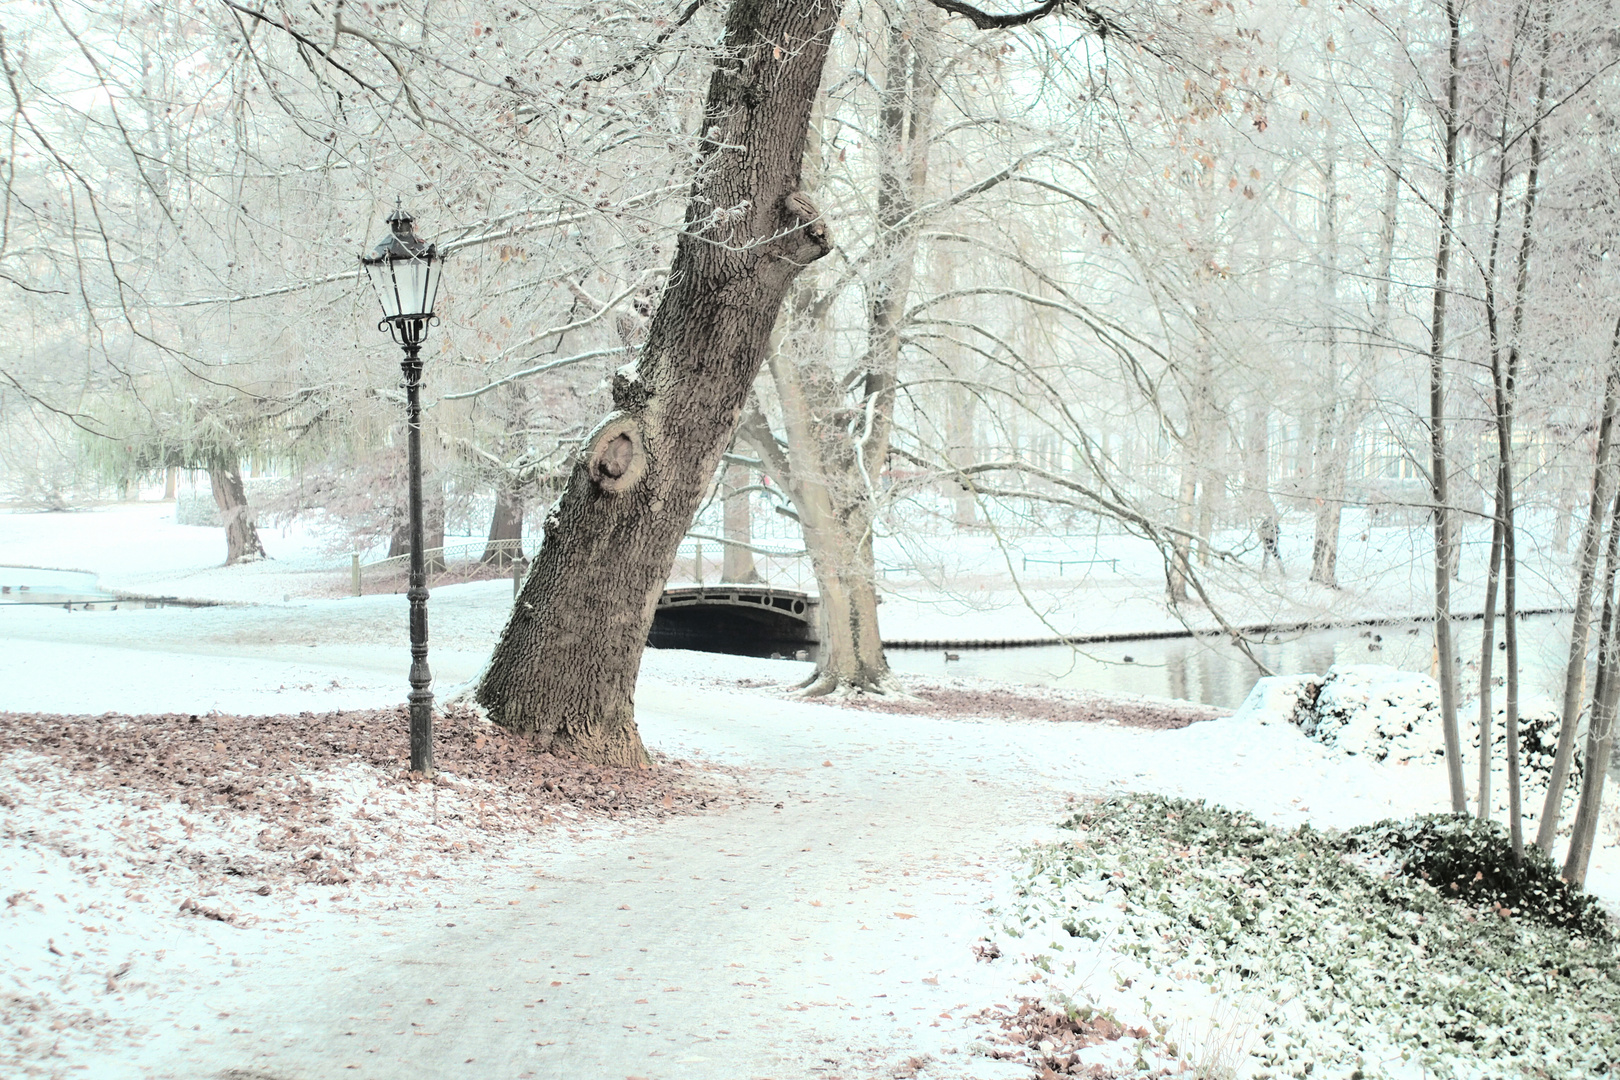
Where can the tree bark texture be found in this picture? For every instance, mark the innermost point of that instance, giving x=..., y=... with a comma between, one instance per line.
x=1437, y=431
x=737, y=563
x=1600, y=729
x=1487, y=657
x=1333, y=435
x=1603, y=486
x=565, y=666
x=1329, y=516
x=505, y=544
x=242, y=542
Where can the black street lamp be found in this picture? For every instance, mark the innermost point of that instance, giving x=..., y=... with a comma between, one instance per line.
x=405, y=272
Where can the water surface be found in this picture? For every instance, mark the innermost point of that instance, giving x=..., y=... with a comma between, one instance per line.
x=1213, y=671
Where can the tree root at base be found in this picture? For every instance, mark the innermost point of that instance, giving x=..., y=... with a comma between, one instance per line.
x=831, y=684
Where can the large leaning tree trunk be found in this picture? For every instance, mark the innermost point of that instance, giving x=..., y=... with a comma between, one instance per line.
x=565, y=666
x=242, y=542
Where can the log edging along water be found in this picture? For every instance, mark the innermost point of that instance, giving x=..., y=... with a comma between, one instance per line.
x=1161, y=635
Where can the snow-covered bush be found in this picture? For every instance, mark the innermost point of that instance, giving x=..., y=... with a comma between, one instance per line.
x=1538, y=739
x=1375, y=710
x=1388, y=715
x=1337, y=965
x=196, y=508
x=1277, y=698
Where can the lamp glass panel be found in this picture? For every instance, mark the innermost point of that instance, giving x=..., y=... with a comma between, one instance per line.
x=435, y=270
x=411, y=278
x=382, y=279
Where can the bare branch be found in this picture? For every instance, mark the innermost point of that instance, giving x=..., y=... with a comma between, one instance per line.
x=536, y=370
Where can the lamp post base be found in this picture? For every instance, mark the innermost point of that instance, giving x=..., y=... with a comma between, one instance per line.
x=421, y=706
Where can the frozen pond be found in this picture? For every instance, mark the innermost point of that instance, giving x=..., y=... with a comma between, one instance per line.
x=1212, y=671
x=31, y=585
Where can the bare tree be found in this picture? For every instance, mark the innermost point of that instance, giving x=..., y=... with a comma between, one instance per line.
x=1439, y=467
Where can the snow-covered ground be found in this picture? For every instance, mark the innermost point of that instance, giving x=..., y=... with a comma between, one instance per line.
x=821, y=925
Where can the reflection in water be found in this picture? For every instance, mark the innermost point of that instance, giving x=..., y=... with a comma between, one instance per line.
x=1213, y=671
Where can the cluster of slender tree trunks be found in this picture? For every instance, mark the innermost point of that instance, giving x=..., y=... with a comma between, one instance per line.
x=1505, y=318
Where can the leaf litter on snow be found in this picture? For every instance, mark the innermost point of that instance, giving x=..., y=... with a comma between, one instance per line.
x=116, y=826
x=983, y=699
x=329, y=793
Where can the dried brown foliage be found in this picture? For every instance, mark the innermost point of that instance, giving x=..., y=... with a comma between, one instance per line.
x=291, y=778
x=1050, y=1040
x=993, y=701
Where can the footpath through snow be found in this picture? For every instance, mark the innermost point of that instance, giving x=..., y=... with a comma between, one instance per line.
x=822, y=925
x=819, y=921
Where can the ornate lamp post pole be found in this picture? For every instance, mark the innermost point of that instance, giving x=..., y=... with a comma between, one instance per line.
x=405, y=272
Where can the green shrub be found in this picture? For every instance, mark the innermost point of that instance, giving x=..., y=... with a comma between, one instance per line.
x=1472, y=860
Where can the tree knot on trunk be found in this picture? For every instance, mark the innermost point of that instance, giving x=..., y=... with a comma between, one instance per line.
x=807, y=237
x=616, y=456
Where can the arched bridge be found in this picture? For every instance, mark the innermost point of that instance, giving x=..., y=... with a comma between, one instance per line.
x=753, y=620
